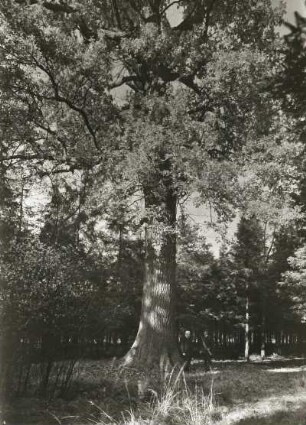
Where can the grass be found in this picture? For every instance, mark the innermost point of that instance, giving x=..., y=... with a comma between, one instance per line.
x=175, y=404
x=232, y=393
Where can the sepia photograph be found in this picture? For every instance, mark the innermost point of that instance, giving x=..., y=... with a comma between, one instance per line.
x=152, y=212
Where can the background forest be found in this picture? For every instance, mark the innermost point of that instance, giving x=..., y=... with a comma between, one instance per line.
x=113, y=124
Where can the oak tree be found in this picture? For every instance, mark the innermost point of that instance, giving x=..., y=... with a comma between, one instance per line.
x=160, y=110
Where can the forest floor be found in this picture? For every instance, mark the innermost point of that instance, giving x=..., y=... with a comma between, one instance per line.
x=272, y=392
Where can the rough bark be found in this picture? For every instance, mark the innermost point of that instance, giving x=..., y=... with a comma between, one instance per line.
x=155, y=345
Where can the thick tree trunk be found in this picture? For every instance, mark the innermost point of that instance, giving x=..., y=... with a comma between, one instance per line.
x=156, y=343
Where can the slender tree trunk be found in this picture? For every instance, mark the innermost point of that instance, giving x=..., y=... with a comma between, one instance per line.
x=156, y=343
x=120, y=252
x=263, y=333
x=21, y=207
x=263, y=337
x=247, y=326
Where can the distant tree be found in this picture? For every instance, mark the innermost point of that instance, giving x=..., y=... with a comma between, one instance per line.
x=8, y=211
x=71, y=221
x=289, y=85
x=287, y=241
x=45, y=296
x=195, y=276
x=207, y=292
x=293, y=283
x=291, y=81
x=248, y=255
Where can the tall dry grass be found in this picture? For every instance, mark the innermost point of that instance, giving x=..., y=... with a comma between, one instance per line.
x=174, y=404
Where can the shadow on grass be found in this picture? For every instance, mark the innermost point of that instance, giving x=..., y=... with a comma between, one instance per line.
x=280, y=418
x=244, y=389
x=285, y=365
x=268, y=362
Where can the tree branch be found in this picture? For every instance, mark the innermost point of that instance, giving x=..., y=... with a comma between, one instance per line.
x=26, y=157
x=187, y=23
x=188, y=80
x=58, y=7
x=170, y=5
x=114, y=34
x=195, y=17
x=116, y=13
x=54, y=7
x=53, y=133
x=61, y=99
x=134, y=7
x=208, y=15
x=70, y=169
x=124, y=80
x=81, y=111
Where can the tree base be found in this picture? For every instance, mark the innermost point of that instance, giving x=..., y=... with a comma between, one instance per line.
x=163, y=361
x=153, y=370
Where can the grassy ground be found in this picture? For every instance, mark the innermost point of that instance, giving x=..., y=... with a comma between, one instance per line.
x=231, y=393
